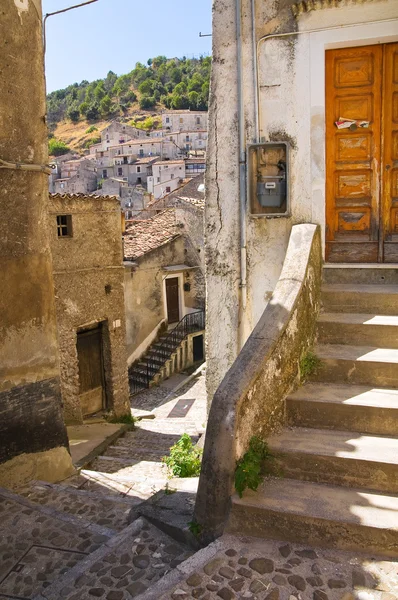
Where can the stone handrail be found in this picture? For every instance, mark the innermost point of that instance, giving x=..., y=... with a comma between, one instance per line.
x=250, y=399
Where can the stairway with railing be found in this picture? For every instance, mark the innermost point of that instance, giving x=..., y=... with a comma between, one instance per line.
x=167, y=354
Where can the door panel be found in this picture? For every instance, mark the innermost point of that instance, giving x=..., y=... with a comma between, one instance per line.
x=89, y=352
x=173, y=304
x=390, y=154
x=353, y=91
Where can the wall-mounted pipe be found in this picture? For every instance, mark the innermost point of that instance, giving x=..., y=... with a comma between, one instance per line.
x=242, y=171
x=269, y=36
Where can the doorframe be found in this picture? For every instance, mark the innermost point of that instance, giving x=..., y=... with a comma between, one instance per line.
x=100, y=326
x=181, y=299
x=365, y=34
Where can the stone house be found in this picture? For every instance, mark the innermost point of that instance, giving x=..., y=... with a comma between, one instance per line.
x=167, y=176
x=164, y=279
x=88, y=278
x=77, y=177
x=332, y=178
x=118, y=133
x=184, y=120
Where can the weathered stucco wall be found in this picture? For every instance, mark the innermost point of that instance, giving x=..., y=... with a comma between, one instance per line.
x=89, y=287
x=250, y=399
x=291, y=108
x=30, y=400
x=144, y=290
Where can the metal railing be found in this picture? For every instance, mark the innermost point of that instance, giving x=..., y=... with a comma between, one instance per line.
x=143, y=375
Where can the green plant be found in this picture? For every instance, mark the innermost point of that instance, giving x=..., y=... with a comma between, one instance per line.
x=309, y=364
x=195, y=528
x=125, y=419
x=249, y=468
x=91, y=129
x=184, y=458
x=168, y=490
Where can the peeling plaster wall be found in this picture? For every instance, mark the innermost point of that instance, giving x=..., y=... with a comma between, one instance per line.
x=291, y=100
x=31, y=424
x=144, y=290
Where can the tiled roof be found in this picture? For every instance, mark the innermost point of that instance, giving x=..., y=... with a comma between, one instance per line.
x=82, y=196
x=144, y=236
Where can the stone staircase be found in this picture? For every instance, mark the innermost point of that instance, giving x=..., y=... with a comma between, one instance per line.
x=168, y=354
x=338, y=454
x=73, y=540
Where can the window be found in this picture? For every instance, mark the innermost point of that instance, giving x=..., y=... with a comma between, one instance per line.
x=197, y=120
x=138, y=179
x=181, y=120
x=168, y=190
x=138, y=169
x=187, y=138
x=158, y=179
x=167, y=120
x=172, y=176
x=120, y=171
x=104, y=173
x=64, y=225
x=141, y=152
x=200, y=142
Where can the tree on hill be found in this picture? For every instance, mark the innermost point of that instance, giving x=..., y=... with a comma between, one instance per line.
x=174, y=83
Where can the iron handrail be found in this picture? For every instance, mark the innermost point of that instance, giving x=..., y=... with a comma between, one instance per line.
x=191, y=322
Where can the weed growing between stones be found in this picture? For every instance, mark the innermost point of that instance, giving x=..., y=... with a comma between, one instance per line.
x=250, y=470
x=124, y=419
x=184, y=458
x=195, y=528
x=309, y=364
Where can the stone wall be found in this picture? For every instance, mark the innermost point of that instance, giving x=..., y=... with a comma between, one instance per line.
x=31, y=425
x=89, y=287
x=250, y=399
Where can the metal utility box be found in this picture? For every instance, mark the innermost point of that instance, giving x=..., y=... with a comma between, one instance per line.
x=268, y=170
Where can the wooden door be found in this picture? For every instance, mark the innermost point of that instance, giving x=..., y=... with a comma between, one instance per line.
x=91, y=371
x=389, y=167
x=353, y=91
x=172, y=298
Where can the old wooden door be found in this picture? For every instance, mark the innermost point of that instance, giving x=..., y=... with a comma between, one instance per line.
x=361, y=200
x=91, y=371
x=172, y=298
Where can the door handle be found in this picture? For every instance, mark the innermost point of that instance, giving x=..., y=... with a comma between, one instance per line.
x=388, y=167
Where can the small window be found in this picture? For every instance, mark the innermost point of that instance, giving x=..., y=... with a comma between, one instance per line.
x=172, y=176
x=168, y=189
x=198, y=120
x=120, y=171
x=181, y=120
x=138, y=169
x=167, y=120
x=64, y=225
x=158, y=178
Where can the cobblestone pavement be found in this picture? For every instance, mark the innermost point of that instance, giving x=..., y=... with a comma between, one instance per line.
x=245, y=568
x=37, y=545
x=132, y=563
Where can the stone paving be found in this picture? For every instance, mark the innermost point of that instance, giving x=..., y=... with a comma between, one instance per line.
x=124, y=569
x=268, y=570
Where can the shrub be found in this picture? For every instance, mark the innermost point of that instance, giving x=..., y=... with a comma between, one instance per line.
x=309, y=364
x=57, y=147
x=184, y=458
x=147, y=102
x=91, y=129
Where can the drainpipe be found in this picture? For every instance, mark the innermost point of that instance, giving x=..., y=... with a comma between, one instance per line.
x=242, y=173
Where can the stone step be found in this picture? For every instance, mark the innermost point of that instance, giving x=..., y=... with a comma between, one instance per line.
x=346, y=407
x=358, y=329
x=358, y=298
x=136, y=454
x=131, y=468
x=337, y=457
x=135, y=560
x=319, y=515
x=106, y=511
x=362, y=365
x=363, y=274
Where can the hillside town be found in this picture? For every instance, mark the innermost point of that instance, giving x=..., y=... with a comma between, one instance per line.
x=135, y=165
x=199, y=309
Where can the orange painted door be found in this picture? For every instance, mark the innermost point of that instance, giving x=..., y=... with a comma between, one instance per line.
x=389, y=167
x=353, y=155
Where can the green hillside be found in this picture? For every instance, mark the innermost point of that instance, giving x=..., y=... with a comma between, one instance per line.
x=172, y=83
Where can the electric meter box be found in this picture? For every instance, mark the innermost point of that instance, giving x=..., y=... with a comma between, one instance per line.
x=268, y=179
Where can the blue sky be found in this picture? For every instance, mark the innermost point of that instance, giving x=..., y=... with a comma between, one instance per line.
x=112, y=35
